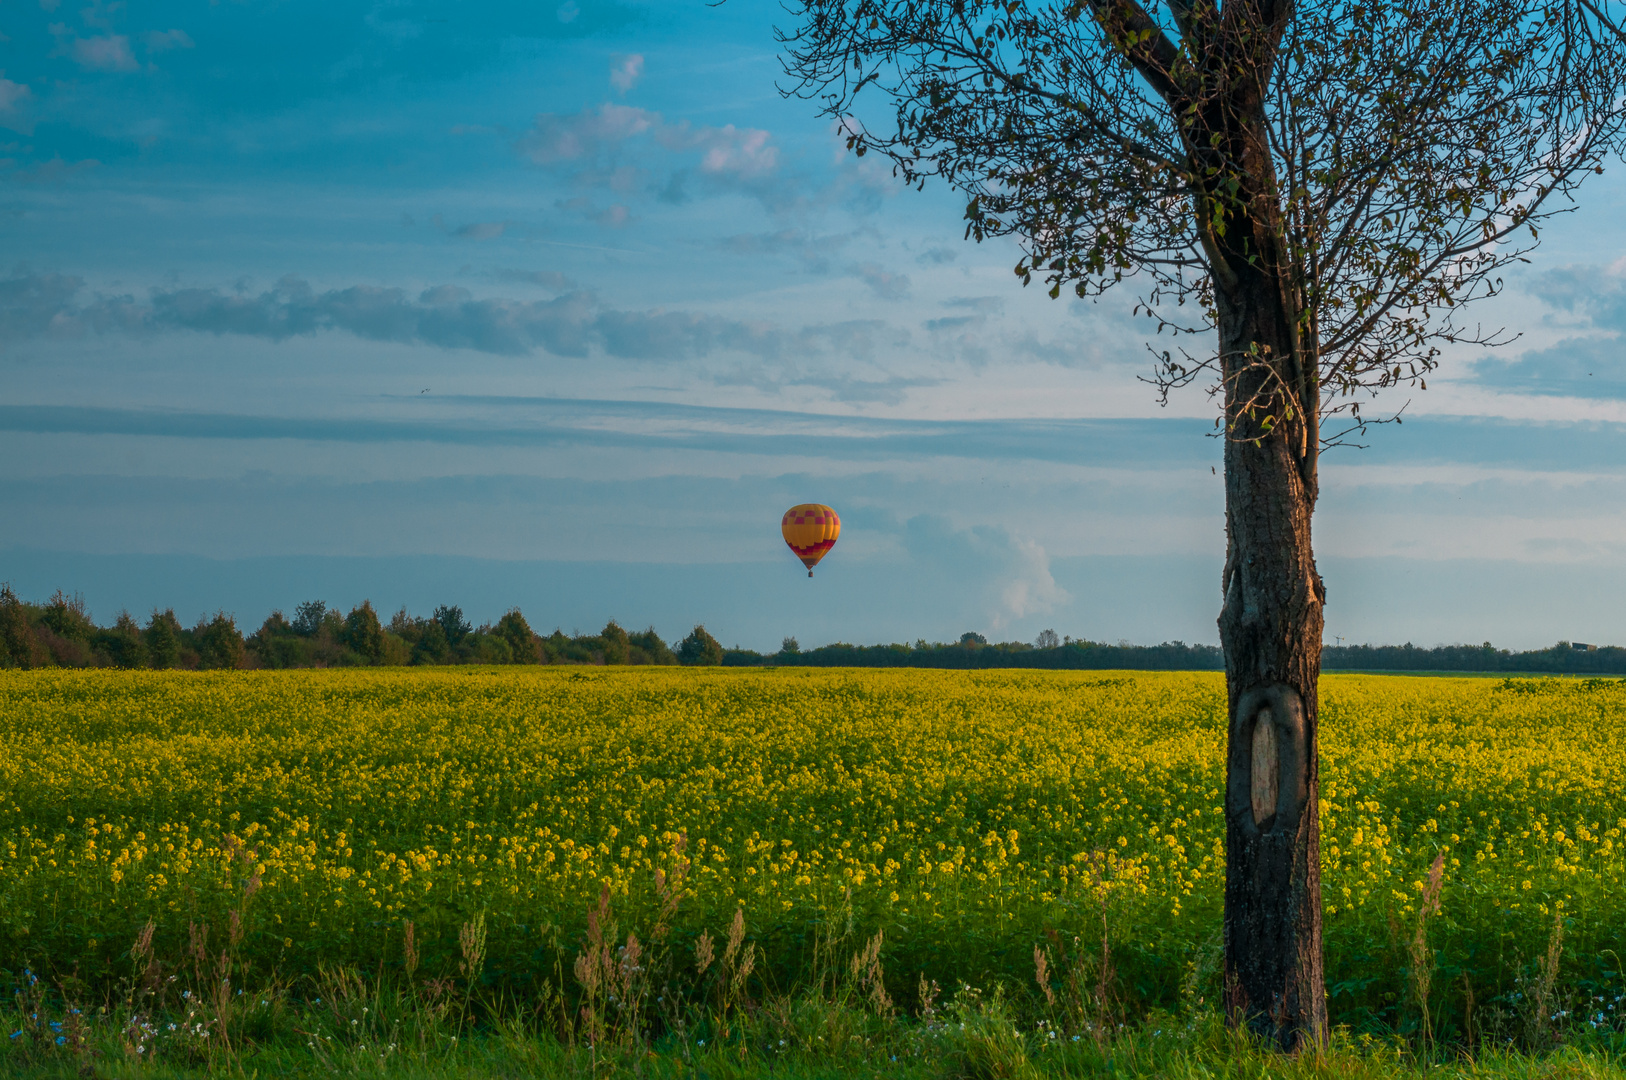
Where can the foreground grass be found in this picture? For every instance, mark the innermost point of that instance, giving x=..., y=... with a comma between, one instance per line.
x=822, y=1041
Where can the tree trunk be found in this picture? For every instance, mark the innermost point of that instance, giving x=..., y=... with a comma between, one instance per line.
x=1270, y=627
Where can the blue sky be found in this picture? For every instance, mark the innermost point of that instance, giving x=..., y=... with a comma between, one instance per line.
x=561, y=305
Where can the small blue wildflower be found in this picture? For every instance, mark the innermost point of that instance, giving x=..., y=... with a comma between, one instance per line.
x=60, y=1039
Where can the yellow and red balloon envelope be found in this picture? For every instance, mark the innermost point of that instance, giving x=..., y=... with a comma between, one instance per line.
x=811, y=530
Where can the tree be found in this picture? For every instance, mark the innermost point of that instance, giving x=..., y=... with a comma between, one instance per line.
x=220, y=646
x=308, y=618
x=123, y=643
x=452, y=624
x=277, y=645
x=431, y=646
x=1318, y=185
x=648, y=648
x=363, y=633
x=614, y=644
x=68, y=618
x=522, y=643
x=700, y=648
x=1047, y=639
x=163, y=638
x=18, y=645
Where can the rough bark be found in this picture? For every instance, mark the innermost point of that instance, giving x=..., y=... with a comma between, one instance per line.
x=1270, y=627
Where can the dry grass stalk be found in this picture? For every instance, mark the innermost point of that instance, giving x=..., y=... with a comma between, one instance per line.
x=1539, y=1015
x=869, y=977
x=409, y=949
x=1041, y=974
x=704, y=952
x=1422, y=957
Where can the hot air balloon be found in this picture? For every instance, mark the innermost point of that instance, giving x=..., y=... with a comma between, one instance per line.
x=811, y=530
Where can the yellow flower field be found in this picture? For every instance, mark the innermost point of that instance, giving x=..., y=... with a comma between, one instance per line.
x=965, y=813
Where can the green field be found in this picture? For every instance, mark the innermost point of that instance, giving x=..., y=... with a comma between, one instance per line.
x=287, y=831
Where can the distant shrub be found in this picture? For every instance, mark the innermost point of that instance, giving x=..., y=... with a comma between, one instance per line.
x=648, y=648
x=614, y=644
x=363, y=634
x=123, y=644
x=18, y=645
x=397, y=652
x=522, y=643
x=700, y=648
x=308, y=618
x=432, y=646
x=492, y=649
x=219, y=645
x=163, y=639
x=67, y=618
x=276, y=644
x=452, y=624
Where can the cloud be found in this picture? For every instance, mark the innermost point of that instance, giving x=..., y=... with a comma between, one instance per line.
x=856, y=391
x=548, y=279
x=964, y=335
x=601, y=133
x=674, y=161
x=35, y=304
x=1575, y=367
x=575, y=324
x=886, y=284
x=628, y=148
x=1015, y=572
x=813, y=251
x=660, y=426
x=1027, y=588
x=567, y=11
x=937, y=256
x=482, y=230
x=1598, y=293
x=162, y=41
x=982, y=305
x=556, y=137
x=111, y=53
x=54, y=171
x=12, y=94
x=626, y=70
x=613, y=216
x=1589, y=366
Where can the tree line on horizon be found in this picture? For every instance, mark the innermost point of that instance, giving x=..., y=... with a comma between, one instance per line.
x=61, y=633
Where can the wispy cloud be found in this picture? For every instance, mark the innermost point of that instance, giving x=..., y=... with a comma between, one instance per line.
x=548, y=279
x=886, y=284
x=575, y=324
x=1589, y=365
x=613, y=216
x=626, y=70
x=111, y=53
x=482, y=230
x=602, y=133
x=12, y=94
x=812, y=250
x=1015, y=572
x=164, y=40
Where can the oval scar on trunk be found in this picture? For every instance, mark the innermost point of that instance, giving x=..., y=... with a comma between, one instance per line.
x=1265, y=770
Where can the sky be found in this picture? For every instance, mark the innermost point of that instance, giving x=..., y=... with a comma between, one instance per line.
x=561, y=305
